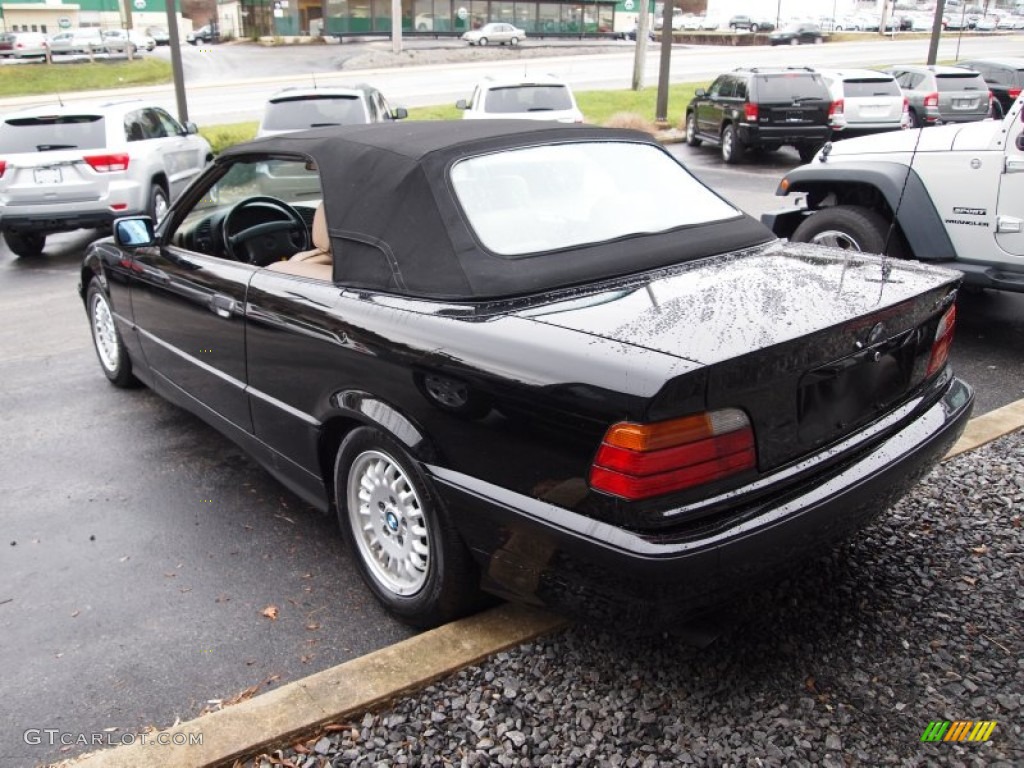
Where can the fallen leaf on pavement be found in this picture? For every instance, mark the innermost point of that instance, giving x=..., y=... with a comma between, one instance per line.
x=270, y=612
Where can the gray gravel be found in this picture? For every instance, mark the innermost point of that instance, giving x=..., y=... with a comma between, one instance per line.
x=917, y=619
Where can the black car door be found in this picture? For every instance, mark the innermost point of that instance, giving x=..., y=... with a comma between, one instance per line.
x=189, y=312
x=189, y=294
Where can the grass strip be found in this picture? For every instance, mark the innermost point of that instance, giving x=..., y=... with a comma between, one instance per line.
x=39, y=78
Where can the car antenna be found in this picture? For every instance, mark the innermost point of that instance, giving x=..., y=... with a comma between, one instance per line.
x=60, y=100
x=886, y=268
x=312, y=76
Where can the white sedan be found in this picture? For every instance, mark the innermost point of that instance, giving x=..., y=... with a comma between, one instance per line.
x=495, y=32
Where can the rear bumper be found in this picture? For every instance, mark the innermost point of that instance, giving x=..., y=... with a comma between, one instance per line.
x=756, y=134
x=61, y=222
x=534, y=551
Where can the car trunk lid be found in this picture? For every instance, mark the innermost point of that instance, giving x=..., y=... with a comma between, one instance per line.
x=810, y=342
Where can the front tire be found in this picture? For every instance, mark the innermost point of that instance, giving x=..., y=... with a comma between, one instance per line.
x=483, y=41
x=794, y=41
x=851, y=228
x=732, y=145
x=691, y=130
x=25, y=244
x=514, y=42
x=106, y=339
x=395, y=525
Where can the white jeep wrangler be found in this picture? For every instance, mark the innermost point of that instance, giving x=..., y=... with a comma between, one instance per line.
x=950, y=195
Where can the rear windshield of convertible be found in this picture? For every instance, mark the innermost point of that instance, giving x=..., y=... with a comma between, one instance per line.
x=545, y=198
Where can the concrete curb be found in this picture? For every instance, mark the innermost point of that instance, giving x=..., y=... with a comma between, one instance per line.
x=336, y=694
x=989, y=426
x=333, y=694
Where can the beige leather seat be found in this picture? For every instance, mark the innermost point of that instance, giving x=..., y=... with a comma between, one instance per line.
x=318, y=262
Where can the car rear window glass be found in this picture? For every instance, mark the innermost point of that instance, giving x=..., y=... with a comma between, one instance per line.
x=42, y=134
x=528, y=98
x=790, y=87
x=961, y=82
x=546, y=198
x=299, y=112
x=870, y=87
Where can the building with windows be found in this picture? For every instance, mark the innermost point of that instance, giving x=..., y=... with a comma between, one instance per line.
x=343, y=18
x=52, y=16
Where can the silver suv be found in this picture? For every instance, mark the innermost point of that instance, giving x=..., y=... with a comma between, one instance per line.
x=940, y=94
x=864, y=101
x=80, y=166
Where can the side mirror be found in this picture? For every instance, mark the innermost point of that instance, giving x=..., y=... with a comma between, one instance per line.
x=1020, y=142
x=191, y=128
x=134, y=231
x=461, y=104
x=400, y=113
x=700, y=93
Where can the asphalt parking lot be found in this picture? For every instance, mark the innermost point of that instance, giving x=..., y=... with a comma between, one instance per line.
x=144, y=549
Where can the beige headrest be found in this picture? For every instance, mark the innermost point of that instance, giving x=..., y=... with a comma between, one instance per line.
x=321, y=240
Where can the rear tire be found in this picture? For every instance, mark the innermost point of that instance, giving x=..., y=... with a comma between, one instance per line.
x=851, y=228
x=691, y=130
x=25, y=244
x=732, y=145
x=807, y=152
x=397, y=528
x=158, y=203
x=914, y=121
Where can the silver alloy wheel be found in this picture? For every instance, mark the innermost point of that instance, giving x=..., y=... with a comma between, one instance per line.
x=446, y=391
x=836, y=239
x=104, y=333
x=691, y=127
x=388, y=523
x=160, y=206
x=728, y=142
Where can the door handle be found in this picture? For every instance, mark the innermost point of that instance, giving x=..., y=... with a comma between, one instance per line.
x=1009, y=224
x=222, y=306
x=1014, y=165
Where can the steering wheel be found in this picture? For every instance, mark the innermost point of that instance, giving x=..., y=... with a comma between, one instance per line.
x=270, y=239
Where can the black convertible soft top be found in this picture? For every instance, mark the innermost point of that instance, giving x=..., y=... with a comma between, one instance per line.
x=396, y=225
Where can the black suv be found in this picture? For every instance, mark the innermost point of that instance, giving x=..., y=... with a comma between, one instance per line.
x=1004, y=77
x=761, y=108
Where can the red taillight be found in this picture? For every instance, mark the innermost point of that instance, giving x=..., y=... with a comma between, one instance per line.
x=3, y=167
x=638, y=461
x=943, y=340
x=750, y=112
x=931, y=100
x=837, y=114
x=107, y=163
x=1014, y=93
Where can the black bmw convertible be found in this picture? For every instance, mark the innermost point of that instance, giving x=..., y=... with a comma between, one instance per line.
x=540, y=362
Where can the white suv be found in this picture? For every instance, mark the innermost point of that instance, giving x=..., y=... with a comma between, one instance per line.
x=74, y=167
x=541, y=98
x=298, y=109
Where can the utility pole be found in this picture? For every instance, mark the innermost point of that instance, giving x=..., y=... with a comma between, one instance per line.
x=396, y=26
x=933, y=45
x=661, y=110
x=643, y=27
x=176, y=68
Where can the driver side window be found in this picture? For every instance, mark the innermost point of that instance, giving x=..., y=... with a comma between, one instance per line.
x=259, y=211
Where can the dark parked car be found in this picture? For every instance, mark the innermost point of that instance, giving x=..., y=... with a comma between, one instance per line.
x=502, y=379
x=797, y=34
x=761, y=108
x=1004, y=78
x=742, y=22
